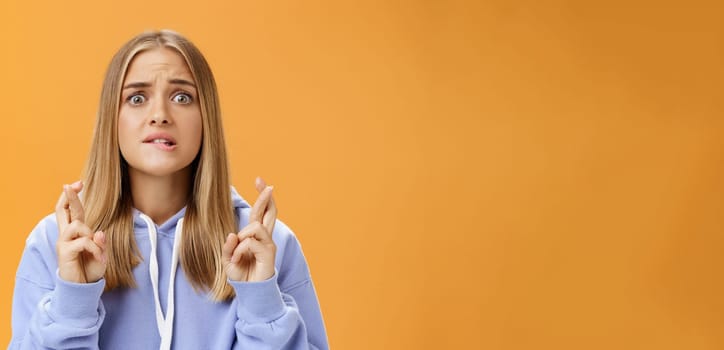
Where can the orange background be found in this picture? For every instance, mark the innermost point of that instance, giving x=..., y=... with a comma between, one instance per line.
x=481, y=175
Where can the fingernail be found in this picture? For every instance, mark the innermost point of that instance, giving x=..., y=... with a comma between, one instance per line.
x=76, y=183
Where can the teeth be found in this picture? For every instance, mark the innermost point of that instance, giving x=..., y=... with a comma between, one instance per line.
x=164, y=141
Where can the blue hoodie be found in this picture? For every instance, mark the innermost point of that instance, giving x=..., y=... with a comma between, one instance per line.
x=49, y=313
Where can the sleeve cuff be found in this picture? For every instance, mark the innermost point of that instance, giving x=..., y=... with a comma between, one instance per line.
x=76, y=303
x=259, y=302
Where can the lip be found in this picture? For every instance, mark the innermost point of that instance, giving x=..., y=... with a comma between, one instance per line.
x=159, y=135
x=162, y=146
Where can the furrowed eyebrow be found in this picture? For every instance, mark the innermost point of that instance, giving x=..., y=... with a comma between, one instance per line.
x=182, y=82
x=136, y=85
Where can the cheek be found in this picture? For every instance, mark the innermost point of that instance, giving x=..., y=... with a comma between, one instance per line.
x=194, y=131
x=199, y=132
x=125, y=132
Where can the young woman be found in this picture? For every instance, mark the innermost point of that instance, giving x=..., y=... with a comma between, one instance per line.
x=154, y=248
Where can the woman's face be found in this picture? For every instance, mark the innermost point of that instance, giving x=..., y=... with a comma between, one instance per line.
x=159, y=122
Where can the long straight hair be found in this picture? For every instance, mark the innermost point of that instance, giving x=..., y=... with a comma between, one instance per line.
x=107, y=196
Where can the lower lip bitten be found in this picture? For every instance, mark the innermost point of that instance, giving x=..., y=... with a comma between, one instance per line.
x=162, y=146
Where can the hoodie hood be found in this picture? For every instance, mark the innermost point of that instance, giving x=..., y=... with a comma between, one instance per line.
x=168, y=228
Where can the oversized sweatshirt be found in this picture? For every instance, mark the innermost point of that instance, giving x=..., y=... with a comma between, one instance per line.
x=50, y=313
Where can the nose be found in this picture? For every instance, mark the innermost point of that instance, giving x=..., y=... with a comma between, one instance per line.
x=159, y=113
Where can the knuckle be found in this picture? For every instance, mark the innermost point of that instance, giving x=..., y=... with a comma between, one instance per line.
x=80, y=225
x=69, y=230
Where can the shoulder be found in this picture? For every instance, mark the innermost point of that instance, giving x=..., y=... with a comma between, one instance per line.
x=290, y=260
x=44, y=233
x=39, y=261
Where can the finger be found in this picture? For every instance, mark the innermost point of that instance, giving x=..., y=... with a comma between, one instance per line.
x=93, y=248
x=75, y=246
x=270, y=215
x=241, y=249
x=62, y=216
x=227, y=249
x=100, y=240
x=77, y=186
x=257, y=211
x=260, y=184
x=254, y=230
x=76, y=207
x=74, y=230
x=85, y=244
x=255, y=247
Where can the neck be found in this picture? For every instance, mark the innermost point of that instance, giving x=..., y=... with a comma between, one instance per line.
x=160, y=197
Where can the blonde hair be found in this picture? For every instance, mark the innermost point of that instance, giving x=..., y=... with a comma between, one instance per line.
x=107, y=197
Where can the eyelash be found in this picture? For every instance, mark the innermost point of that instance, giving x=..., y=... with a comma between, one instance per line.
x=188, y=95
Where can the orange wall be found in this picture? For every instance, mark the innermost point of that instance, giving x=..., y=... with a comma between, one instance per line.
x=506, y=175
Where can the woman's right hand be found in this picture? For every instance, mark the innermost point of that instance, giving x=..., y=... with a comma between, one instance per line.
x=81, y=253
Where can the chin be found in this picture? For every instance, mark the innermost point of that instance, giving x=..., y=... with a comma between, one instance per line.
x=159, y=170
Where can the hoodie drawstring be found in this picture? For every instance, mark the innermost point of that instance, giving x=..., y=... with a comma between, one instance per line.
x=165, y=324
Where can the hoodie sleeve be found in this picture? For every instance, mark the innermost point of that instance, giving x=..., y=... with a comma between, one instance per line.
x=48, y=312
x=282, y=312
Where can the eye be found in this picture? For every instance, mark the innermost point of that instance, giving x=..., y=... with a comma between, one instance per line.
x=136, y=99
x=182, y=98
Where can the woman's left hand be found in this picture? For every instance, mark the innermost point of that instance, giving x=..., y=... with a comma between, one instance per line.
x=249, y=254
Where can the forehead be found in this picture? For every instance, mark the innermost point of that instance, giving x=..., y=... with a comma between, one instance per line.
x=149, y=63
